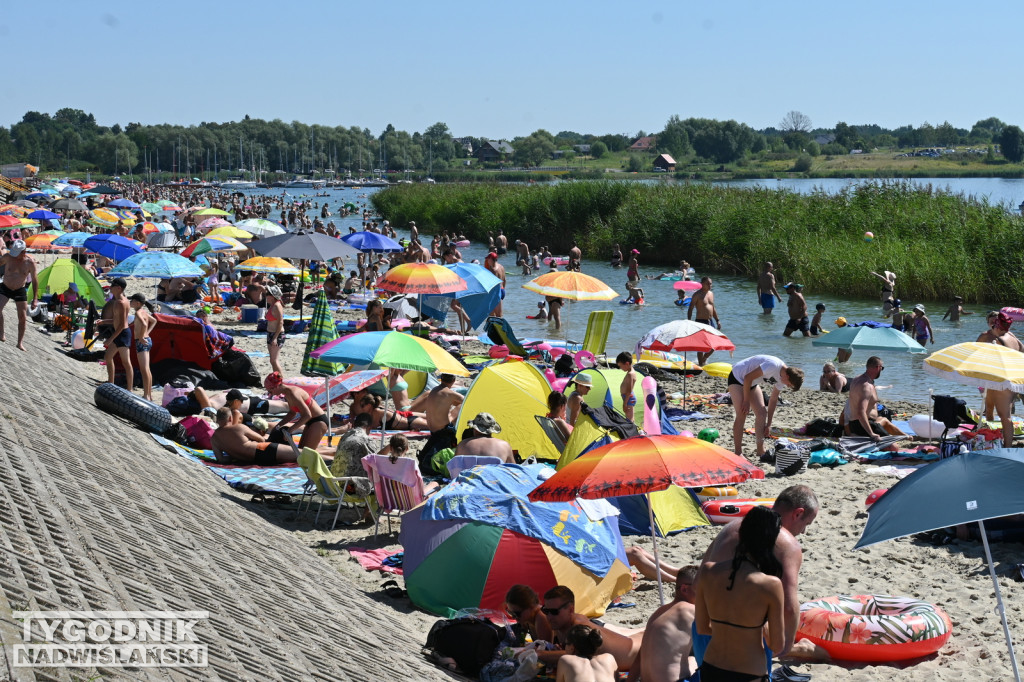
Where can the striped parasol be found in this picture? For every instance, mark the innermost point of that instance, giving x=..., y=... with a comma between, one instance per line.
x=985, y=365
x=211, y=223
x=574, y=286
x=44, y=241
x=207, y=244
x=421, y=278
x=269, y=265
x=321, y=332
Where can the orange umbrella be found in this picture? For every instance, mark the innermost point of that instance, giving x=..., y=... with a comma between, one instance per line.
x=44, y=242
x=274, y=266
x=643, y=465
x=574, y=286
x=422, y=278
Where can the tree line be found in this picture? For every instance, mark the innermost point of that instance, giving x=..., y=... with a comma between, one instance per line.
x=71, y=141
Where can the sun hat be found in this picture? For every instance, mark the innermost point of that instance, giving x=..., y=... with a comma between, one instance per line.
x=919, y=308
x=635, y=251
x=274, y=291
x=17, y=248
x=840, y=321
x=485, y=423
x=583, y=380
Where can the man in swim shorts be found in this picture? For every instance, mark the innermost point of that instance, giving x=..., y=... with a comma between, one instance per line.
x=238, y=443
x=860, y=414
x=439, y=406
x=19, y=271
x=498, y=270
x=766, y=292
x=797, y=311
x=119, y=343
x=703, y=303
x=501, y=243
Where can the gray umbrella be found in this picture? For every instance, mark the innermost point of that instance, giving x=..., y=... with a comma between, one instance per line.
x=69, y=205
x=25, y=203
x=966, y=488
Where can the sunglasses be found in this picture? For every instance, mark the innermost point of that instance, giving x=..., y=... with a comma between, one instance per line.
x=513, y=612
x=555, y=611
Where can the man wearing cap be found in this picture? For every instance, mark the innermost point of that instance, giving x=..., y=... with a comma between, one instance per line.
x=481, y=444
x=498, y=270
x=583, y=383
x=797, y=310
x=120, y=340
x=19, y=270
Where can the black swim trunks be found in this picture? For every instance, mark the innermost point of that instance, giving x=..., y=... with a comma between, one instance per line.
x=856, y=429
x=798, y=325
x=501, y=250
x=266, y=454
x=732, y=380
x=708, y=322
x=123, y=339
x=258, y=406
x=16, y=295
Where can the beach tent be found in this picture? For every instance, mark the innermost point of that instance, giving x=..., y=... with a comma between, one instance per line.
x=606, y=391
x=514, y=393
x=176, y=338
x=675, y=509
x=477, y=537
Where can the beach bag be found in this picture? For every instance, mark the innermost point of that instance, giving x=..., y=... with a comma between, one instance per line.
x=439, y=461
x=171, y=392
x=827, y=428
x=791, y=458
x=471, y=642
x=199, y=432
x=235, y=367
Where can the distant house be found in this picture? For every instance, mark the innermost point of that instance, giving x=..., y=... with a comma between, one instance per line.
x=665, y=162
x=828, y=138
x=644, y=144
x=582, y=148
x=465, y=142
x=492, y=151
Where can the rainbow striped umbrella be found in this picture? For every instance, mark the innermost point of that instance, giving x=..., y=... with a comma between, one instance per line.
x=390, y=349
x=422, y=278
x=207, y=244
x=272, y=266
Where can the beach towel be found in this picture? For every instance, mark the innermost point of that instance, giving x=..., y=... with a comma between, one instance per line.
x=676, y=414
x=373, y=559
x=897, y=470
x=286, y=479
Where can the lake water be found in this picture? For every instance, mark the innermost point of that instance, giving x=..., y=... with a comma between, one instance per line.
x=740, y=313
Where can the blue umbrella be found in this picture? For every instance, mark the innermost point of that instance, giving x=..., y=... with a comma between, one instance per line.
x=122, y=203
x=482, y=294
x=156, y=264
x=112, y=246
x=367, y=241
x=43, y=214
x=88, y=194
x=967, y=488
x=37, y=195
x=870, y=339
x=72, y=239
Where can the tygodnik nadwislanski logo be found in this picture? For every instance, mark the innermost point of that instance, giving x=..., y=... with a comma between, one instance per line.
x=131, y=639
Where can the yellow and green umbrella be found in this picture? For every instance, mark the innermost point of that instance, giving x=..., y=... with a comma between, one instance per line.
x=211, y=212
x=229, y=231
x=269, y=265
x=207, y=244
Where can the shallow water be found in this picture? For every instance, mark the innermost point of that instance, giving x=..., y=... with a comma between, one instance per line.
x=740, y=313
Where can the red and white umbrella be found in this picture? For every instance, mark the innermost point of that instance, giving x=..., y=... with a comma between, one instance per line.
x=682, y=336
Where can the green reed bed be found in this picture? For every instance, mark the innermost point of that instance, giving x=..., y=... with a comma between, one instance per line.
x=940, y=244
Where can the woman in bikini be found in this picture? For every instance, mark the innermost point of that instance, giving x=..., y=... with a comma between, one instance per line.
x=309, y=417
x=1000, y=401
x=889, y=284
x=374, y=317
x=275, y=326
x=393, y=420
x=736, y=599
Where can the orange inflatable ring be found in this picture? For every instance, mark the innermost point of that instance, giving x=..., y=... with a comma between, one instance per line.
x=874, y=628
x=218, y=310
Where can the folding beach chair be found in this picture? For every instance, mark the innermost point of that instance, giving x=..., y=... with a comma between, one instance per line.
x=399, y=485
x=596, y=337
x=331, y=489
x=500, y=332
x=552, y=432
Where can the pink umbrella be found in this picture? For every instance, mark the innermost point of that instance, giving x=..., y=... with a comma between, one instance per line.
x=211, y=223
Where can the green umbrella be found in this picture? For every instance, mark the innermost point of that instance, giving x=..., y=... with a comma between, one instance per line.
x=321, y=331
x=56, y=278
x=152, y=208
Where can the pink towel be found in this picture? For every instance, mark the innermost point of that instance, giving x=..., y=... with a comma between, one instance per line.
x=372, y=559
x=405, y=470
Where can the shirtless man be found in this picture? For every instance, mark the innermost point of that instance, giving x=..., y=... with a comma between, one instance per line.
x=522, y=253
x=1001, y=401
x=481, y=444
x=414, y=232
x=501, y=243
x=665, y=654
x=438, y=406
x=766, y=292
x=703, y=301
x=498, y=270
x=120, y=339
x=560, y=608
x=233, y=442
x=797, y=506
x=860, y=414
x=797, y=311
x=575, y=257
x=20, y=270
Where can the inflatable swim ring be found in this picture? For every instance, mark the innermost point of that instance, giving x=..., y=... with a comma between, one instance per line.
x=685, y=301
x=462, y=243
x=718, y=369
x=1015, y=314
x=926, y=427
x=731, y=508
x=115, y=400
x=710, y=493
x=874, y=628
x=629, y=302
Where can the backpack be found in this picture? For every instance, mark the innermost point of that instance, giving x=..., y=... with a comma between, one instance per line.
x=828, y=427
x=471, y=642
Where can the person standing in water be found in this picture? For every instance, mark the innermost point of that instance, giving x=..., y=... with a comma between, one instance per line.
x=766, y=292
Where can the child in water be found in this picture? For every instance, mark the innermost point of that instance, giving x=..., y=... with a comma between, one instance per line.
x=922, y=326
x=816, y=320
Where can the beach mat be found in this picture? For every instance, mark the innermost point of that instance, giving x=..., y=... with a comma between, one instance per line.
x=285, y=479
x=373, y=559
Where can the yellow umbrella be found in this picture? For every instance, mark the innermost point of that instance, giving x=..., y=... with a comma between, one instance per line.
x=211, y=211
x=229, y=231
x=574, y=286
x=985, y=365
x=273, y=266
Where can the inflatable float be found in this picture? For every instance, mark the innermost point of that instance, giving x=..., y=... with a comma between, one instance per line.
x=874, y=628
x=1015, y=314
x=685, y=301
x=711, y=493
x=462, y=243
x=718, y=369
x=559, y=260
x=627, y=301
x=665, y=360
x=874, y=496
x=732, y=508
x=117, y=401
x=924, y=426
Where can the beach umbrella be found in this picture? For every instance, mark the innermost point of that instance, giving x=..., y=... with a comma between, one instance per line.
x=211, y=223
x=321, y=332
x=985, y=365
x=211, y=212
x=162, y=240
x=56, y=278
x=478, y=299
x=642, y=465
x=43, y=214
x=25, y=203
x=972, y=488
x=28, y=222
x=8, y=222
x=338, y=387
x=11, y=209
x=103, y=189
x=572, y=286
x=164, y=203
x=207, y=244
x=171, y=208
x=229, y=230
x=683, y=336
x=104, y=217
x=150, y=227
x=465, y=546
x=72, y=239
x=367, y=241
x=113, y=246
x=44, y=242
x=260, y=227
x=122, y=203
x=156, y=264
x=271, y=266
x=69, y=205
x=878, y=339
x=41, y=196
x=151, y=207
x=421, y=278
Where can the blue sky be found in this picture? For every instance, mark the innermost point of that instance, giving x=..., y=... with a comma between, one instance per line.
x=502, y=69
